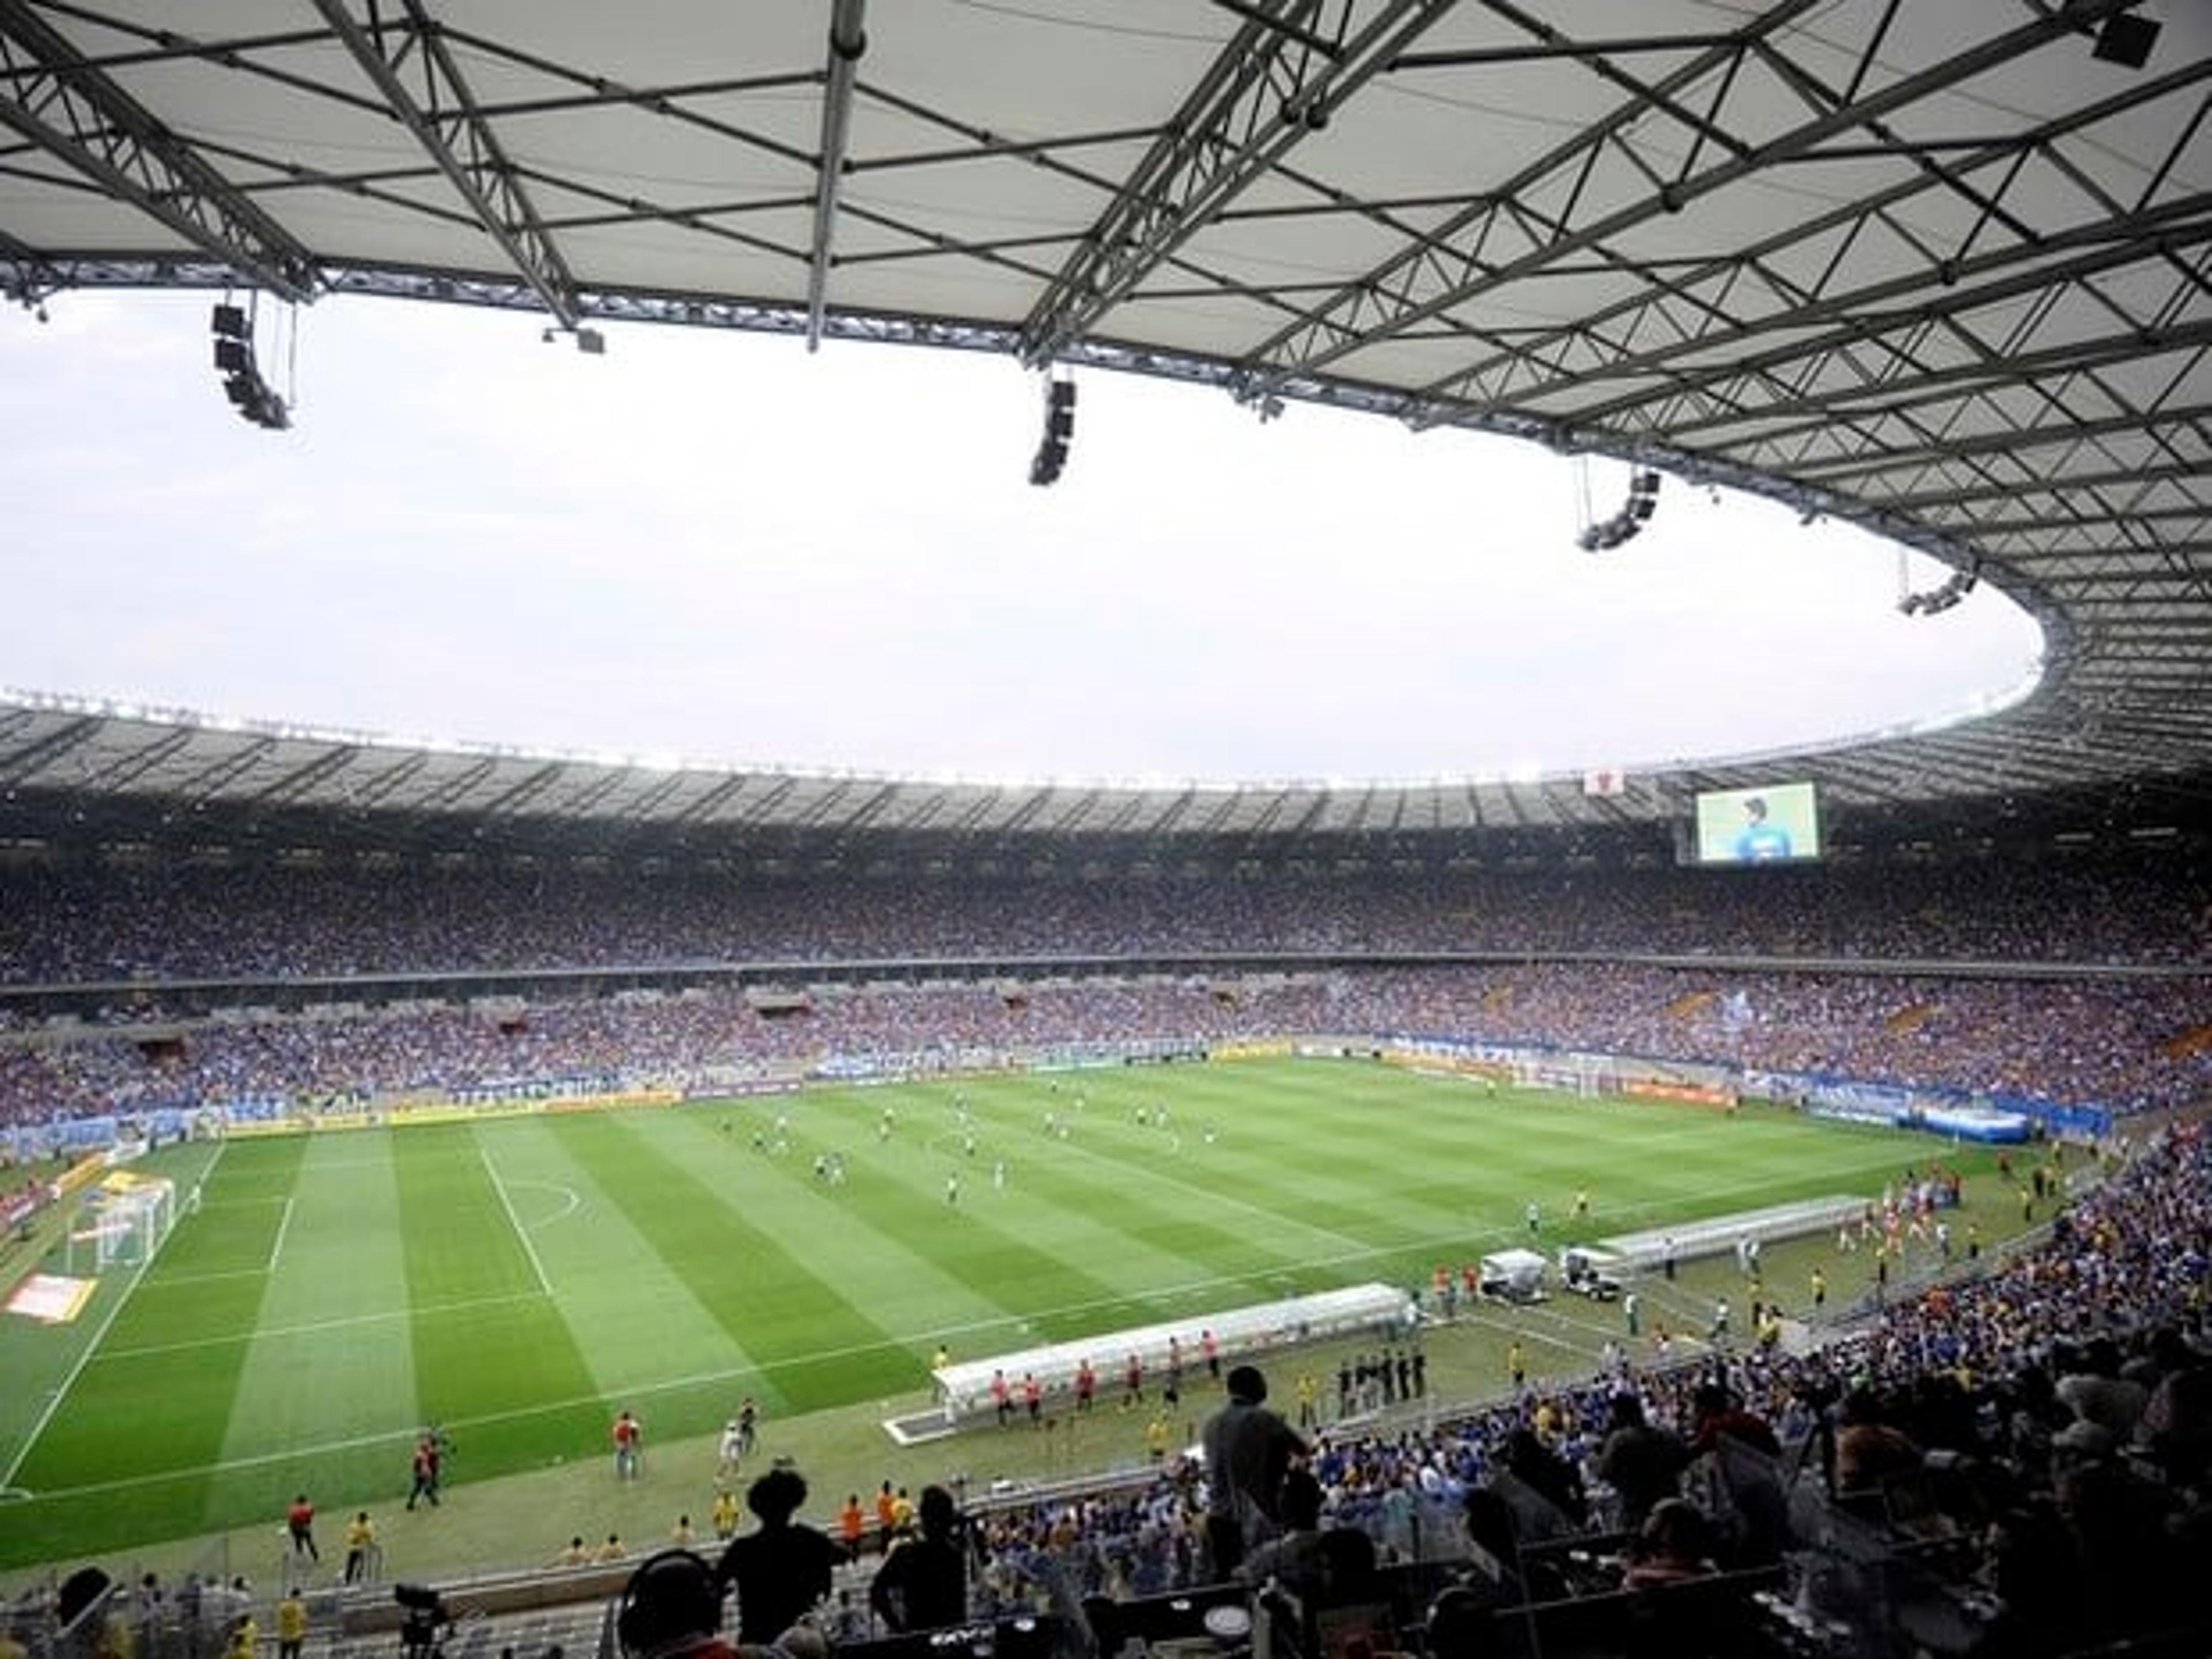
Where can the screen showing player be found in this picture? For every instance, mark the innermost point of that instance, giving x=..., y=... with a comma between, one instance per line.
x=1778, y=824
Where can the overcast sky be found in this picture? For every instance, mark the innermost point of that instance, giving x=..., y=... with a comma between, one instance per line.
x=718, y=546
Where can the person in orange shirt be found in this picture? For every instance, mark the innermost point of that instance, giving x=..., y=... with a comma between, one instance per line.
x=886, y=1517
x=852, y=1526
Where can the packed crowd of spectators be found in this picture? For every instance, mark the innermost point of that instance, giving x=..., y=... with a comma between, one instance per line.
x=2032, y=1442
x=2121, y=1045
x=76, y=924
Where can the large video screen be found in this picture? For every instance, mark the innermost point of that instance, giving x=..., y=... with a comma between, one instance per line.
x=1775, y=824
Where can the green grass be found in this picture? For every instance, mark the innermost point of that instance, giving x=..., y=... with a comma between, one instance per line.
x=520, y=1278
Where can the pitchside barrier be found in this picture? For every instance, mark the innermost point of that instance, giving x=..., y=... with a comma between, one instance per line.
x=964, y=1392
x=1720, y=1235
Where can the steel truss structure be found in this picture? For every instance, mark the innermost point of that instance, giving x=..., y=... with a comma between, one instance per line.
x=1944, y=270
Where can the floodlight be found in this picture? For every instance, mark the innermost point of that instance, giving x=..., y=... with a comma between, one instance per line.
x=2126, y=39
x=1626, y=524
x=1059, y=430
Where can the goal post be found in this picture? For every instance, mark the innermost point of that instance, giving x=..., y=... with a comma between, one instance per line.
x=122, y=1222
x=1585, y=1075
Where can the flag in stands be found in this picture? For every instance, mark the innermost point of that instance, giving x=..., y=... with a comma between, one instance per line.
x=1609, y=782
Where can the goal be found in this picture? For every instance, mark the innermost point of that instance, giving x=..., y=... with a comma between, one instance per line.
x=1585, y=1075
x=124, y=1221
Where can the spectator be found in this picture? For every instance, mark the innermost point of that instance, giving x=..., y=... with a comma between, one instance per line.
x=783, y=1569
x=923, y=1584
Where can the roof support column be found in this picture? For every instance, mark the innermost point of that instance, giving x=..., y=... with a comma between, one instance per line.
x=848, y=40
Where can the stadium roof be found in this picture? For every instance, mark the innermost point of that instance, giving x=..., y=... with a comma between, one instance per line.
x=1945, y=271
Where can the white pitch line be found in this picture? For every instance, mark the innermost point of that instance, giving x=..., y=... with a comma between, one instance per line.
x=61, y=1392
x=914, y=1339
x=515, y=1221
x=277, y=1245
x=573, y=1201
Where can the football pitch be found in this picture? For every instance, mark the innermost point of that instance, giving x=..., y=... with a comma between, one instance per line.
x=517, y=1280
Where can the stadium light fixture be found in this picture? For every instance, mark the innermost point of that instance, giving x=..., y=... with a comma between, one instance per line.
x=2126, y=39
x=1936, y=600
x=1059, y=431
x=250, y=394
x=1604, y=535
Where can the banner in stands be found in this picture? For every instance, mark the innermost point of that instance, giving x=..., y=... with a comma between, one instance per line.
x=24, y=1202
x=1692, y=1094
x=1849, y=1100
x=744, y=1088
x=1274, y=1050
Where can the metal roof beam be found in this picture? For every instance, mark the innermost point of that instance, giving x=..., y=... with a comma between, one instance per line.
x=1421, y=284
x=1853, y=322
x=2003, y=441
x=26, y=276
x=520, y=794
x=1276, y=82
x=456, y=788
x=450, y=126
x=130, y=768
x=1874, y=398
x=224, y=770
x=375, y=791
x=848, y=40
x=20, y=763
x=1438, y=271
x=51, y=96
x=641, y=809
x=2064, y=486
x=296, y=783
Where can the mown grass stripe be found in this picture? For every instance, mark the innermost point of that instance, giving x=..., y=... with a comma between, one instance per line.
x=507, y=1355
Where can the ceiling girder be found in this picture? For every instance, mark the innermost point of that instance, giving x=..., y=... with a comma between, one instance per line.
x=1270, y=87
x=1920, y=298
x=1872, y=400
x=2010, y=441
x=1612, y=326
x=298, y=781
x=78, y=114
x=452, y=130
x=375, y=792
x=129, y=768
x=30, y=277
x=848, y=40
x=20, y=763
x=1421, y=284
x=527, y=789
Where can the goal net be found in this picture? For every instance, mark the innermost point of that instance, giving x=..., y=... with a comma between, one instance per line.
x=124, y=1221
x=1586, y=1075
